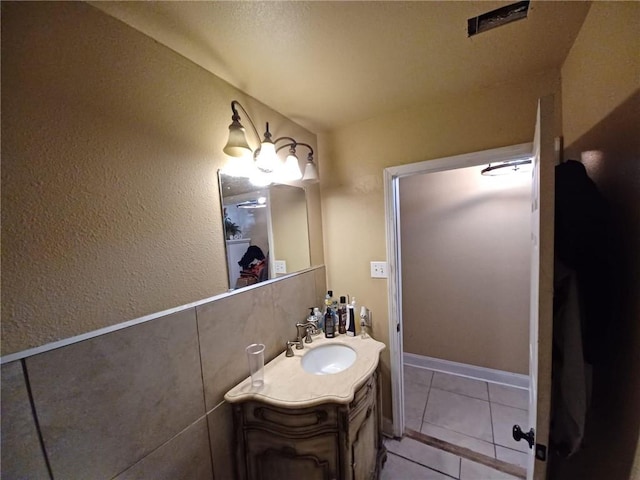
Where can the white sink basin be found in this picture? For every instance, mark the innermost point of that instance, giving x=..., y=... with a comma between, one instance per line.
x=328, y=359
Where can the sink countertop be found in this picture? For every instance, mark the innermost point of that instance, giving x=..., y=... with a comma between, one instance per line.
x=286, y=384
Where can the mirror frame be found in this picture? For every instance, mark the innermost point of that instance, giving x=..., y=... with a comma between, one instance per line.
x=247, y=187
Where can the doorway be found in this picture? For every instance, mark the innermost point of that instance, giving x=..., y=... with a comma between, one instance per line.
x=543, y=152
x=454, y=193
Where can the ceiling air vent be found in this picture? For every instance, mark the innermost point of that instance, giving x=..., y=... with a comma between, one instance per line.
x=497, y=17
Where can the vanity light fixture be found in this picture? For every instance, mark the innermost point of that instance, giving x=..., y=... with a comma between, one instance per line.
x=512, y=166
x=263, y=166
x=291, y=168
x=310, y=171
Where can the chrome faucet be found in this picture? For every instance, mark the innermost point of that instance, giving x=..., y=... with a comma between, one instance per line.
x=313, y=326
x=299, y=346
x=309, y=329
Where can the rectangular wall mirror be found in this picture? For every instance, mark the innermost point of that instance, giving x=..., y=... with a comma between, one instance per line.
x=266, y=230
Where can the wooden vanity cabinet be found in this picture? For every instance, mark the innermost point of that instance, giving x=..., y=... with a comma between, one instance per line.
x=326, y=442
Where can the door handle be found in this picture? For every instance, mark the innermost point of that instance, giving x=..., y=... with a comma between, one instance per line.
x=518, y=435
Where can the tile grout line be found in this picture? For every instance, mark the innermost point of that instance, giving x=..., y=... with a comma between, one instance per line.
x=511, y=406
x=204, y=395
x=488, y=399
x=423, y=466
x=512, y=449
x=424, y=410
x=36, y=420
x=458, y=393
x=504, y=404
x=493, y=434
x=465, y=395
x=460, y=433
x=495, y=444
x=462, y=395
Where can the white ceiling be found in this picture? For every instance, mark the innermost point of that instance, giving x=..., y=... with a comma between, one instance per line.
x=329, y=64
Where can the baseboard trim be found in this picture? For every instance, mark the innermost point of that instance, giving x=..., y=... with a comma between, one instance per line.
x=501, y=377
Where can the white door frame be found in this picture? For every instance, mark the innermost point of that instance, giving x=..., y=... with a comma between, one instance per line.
x=392, y=176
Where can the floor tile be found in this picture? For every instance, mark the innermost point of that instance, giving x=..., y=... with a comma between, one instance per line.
x=417, y=375
x=412, y=422
x=462, y=385
x=476, y=471
x=426, y=455
x=397, y=468
x=509, y=396
x=415, y=400
x=416, y=389
x=459, y=413
x=504, y=418
x=459, y=439
x=512, y=456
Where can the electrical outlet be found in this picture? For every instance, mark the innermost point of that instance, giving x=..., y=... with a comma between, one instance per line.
x=378, y=269
x=280, y=266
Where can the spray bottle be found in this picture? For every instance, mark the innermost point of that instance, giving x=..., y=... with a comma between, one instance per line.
x=364, y=317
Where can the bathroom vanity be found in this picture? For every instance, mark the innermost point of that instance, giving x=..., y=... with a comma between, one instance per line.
x=301, y=425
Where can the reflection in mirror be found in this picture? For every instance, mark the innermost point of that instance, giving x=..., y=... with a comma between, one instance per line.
x=266, y=230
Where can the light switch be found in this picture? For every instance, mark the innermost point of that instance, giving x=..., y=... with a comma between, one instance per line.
x=378, y=269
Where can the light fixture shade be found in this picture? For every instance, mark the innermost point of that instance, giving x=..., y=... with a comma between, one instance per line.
x=267, y=160
x=310, y=172
x=291, y=169
x=237, y=145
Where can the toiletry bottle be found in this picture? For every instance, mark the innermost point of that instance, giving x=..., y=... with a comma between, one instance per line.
x=319, y=317
x=328, y=300
x=334, y=311
x=351, y=318
x=329, y=325
x=364, y=315
x=342, y=316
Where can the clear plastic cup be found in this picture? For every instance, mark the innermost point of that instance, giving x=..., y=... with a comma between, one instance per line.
x=255, y=355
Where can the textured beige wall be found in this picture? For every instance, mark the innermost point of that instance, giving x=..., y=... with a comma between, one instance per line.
x=111, y=144
x=352, y=183
x=601, y=105
x=465, y=243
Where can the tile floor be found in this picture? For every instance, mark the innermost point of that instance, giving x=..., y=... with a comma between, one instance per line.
x=409, y=459
x=470, y=413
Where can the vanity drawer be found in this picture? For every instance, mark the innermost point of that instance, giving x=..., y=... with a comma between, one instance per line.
x=293, y=421
x=364, y=397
